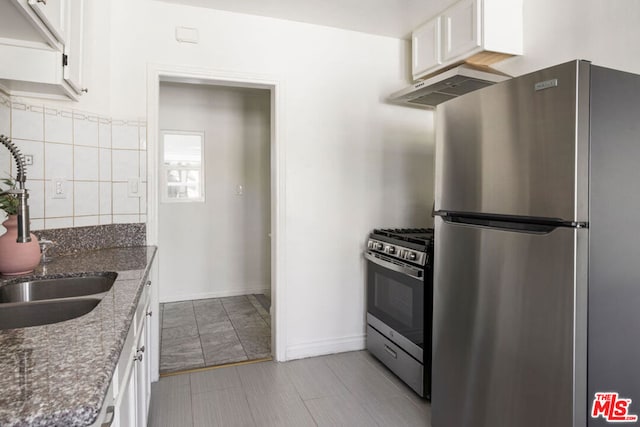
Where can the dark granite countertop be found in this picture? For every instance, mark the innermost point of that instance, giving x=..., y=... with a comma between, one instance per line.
x=58, y=375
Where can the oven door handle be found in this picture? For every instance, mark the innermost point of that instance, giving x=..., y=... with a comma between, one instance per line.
x=411, y=272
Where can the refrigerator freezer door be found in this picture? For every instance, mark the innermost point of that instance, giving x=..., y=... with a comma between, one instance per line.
x=517, y=148
x=504, y=319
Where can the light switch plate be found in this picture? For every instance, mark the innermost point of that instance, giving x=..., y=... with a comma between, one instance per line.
x=133, y=187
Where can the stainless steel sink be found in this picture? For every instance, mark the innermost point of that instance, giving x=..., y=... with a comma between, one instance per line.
x=51, y=300
x=65, y=287
x=22, y=315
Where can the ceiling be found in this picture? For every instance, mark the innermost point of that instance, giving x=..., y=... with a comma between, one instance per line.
x=393, y=18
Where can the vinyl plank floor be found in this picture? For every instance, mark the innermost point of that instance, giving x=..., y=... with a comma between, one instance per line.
x=304, y=392
x=314, y=379
x=214, y=380
x=282, y=408
x=170, y=404
x=339, y=411
x=227, y=408
x=363, y=380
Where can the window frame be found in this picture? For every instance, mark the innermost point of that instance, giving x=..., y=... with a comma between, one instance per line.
x=164, y=197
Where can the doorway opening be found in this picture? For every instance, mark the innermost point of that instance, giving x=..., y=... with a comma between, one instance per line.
x=215, y=221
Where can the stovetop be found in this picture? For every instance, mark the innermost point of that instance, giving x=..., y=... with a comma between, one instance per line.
x=419, y=236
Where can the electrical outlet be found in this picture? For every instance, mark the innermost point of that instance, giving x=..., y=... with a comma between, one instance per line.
x=59, y=188
x=28, y=159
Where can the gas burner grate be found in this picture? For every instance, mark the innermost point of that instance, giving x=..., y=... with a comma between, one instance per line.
x=420, y=236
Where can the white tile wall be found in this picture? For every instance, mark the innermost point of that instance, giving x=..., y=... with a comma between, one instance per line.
x=122, y=203
x=125, y=164
x=85, y=130
x=85, y=163
x=105, y=198
x=58, y=223
x=5, y=129
x=35, y=149
x=125, y=135
x=104, y=133
x=5, y=116
x=94, y=156
x=105, y=164
x=83, y=221
x=27, y=122
x=36, y=198
x=58, y=159
x=86, y=198
x=58, y=126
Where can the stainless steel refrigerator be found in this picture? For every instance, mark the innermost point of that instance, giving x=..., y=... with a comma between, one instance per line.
x=537, y=252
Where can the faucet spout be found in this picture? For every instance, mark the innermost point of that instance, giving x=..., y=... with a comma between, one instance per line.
x=24, y=234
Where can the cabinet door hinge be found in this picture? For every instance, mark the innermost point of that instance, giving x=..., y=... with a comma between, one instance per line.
x=65, y=60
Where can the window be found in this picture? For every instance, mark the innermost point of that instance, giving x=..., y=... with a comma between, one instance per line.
x=182, y=166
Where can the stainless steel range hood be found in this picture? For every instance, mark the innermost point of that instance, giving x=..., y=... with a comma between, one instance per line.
x=447, y=85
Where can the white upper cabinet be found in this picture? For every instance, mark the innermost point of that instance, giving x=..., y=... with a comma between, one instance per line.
x=44, y=40
x=52, y=14
x=425, y=46
x=73, y=49
x=480, y=32
x=461, y=29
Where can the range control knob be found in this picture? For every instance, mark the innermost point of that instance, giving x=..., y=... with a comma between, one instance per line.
x=379, y=246
x=411, y=256
x=391, y=249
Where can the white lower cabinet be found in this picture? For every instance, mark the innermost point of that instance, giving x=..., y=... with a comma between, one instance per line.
x=127, y=401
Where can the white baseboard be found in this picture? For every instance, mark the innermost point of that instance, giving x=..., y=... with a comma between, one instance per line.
x=327, y=346
x=215, y=294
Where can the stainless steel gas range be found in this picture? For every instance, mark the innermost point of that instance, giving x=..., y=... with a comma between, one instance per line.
x=399, y=303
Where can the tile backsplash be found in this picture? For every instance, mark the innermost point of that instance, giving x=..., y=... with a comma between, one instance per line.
x=84, y=165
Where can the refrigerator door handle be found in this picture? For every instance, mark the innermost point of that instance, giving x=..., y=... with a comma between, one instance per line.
x=407, y=271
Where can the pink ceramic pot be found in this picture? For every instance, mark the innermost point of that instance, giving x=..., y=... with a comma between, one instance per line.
x=17, y=258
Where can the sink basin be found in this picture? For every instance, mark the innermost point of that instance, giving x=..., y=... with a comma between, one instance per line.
x=22, y=315
x=65, y=287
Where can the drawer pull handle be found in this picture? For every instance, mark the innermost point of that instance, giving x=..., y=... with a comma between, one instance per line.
x=111, y=410
x=149, y=283
x=141, y=349
x=390, y=351
x=137, y=357
x=149, y=313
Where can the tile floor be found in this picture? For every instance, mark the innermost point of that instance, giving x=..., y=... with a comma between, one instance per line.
x=347, y=389
x=213, y=332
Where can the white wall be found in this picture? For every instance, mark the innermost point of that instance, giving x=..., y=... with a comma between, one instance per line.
x=604, y=32
x=220, y=247
x=352, y=162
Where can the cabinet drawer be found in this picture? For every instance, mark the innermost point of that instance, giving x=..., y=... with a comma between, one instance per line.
x=397, y=360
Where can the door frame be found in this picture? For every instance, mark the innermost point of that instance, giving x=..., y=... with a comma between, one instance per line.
x=158, y=73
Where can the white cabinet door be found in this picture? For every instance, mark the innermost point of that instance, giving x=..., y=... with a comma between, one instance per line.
x=73, y=48
x=425, y=46
x=461, y=29
x=126, y=403
x=141, y=373
x=52, y=13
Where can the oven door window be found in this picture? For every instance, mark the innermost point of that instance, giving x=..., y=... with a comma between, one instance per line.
x=397, y=300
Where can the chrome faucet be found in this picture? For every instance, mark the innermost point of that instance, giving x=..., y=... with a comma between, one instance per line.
x=24, y=234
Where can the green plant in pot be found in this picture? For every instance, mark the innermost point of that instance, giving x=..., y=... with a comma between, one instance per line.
x=8, y=202
x=15, y=258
